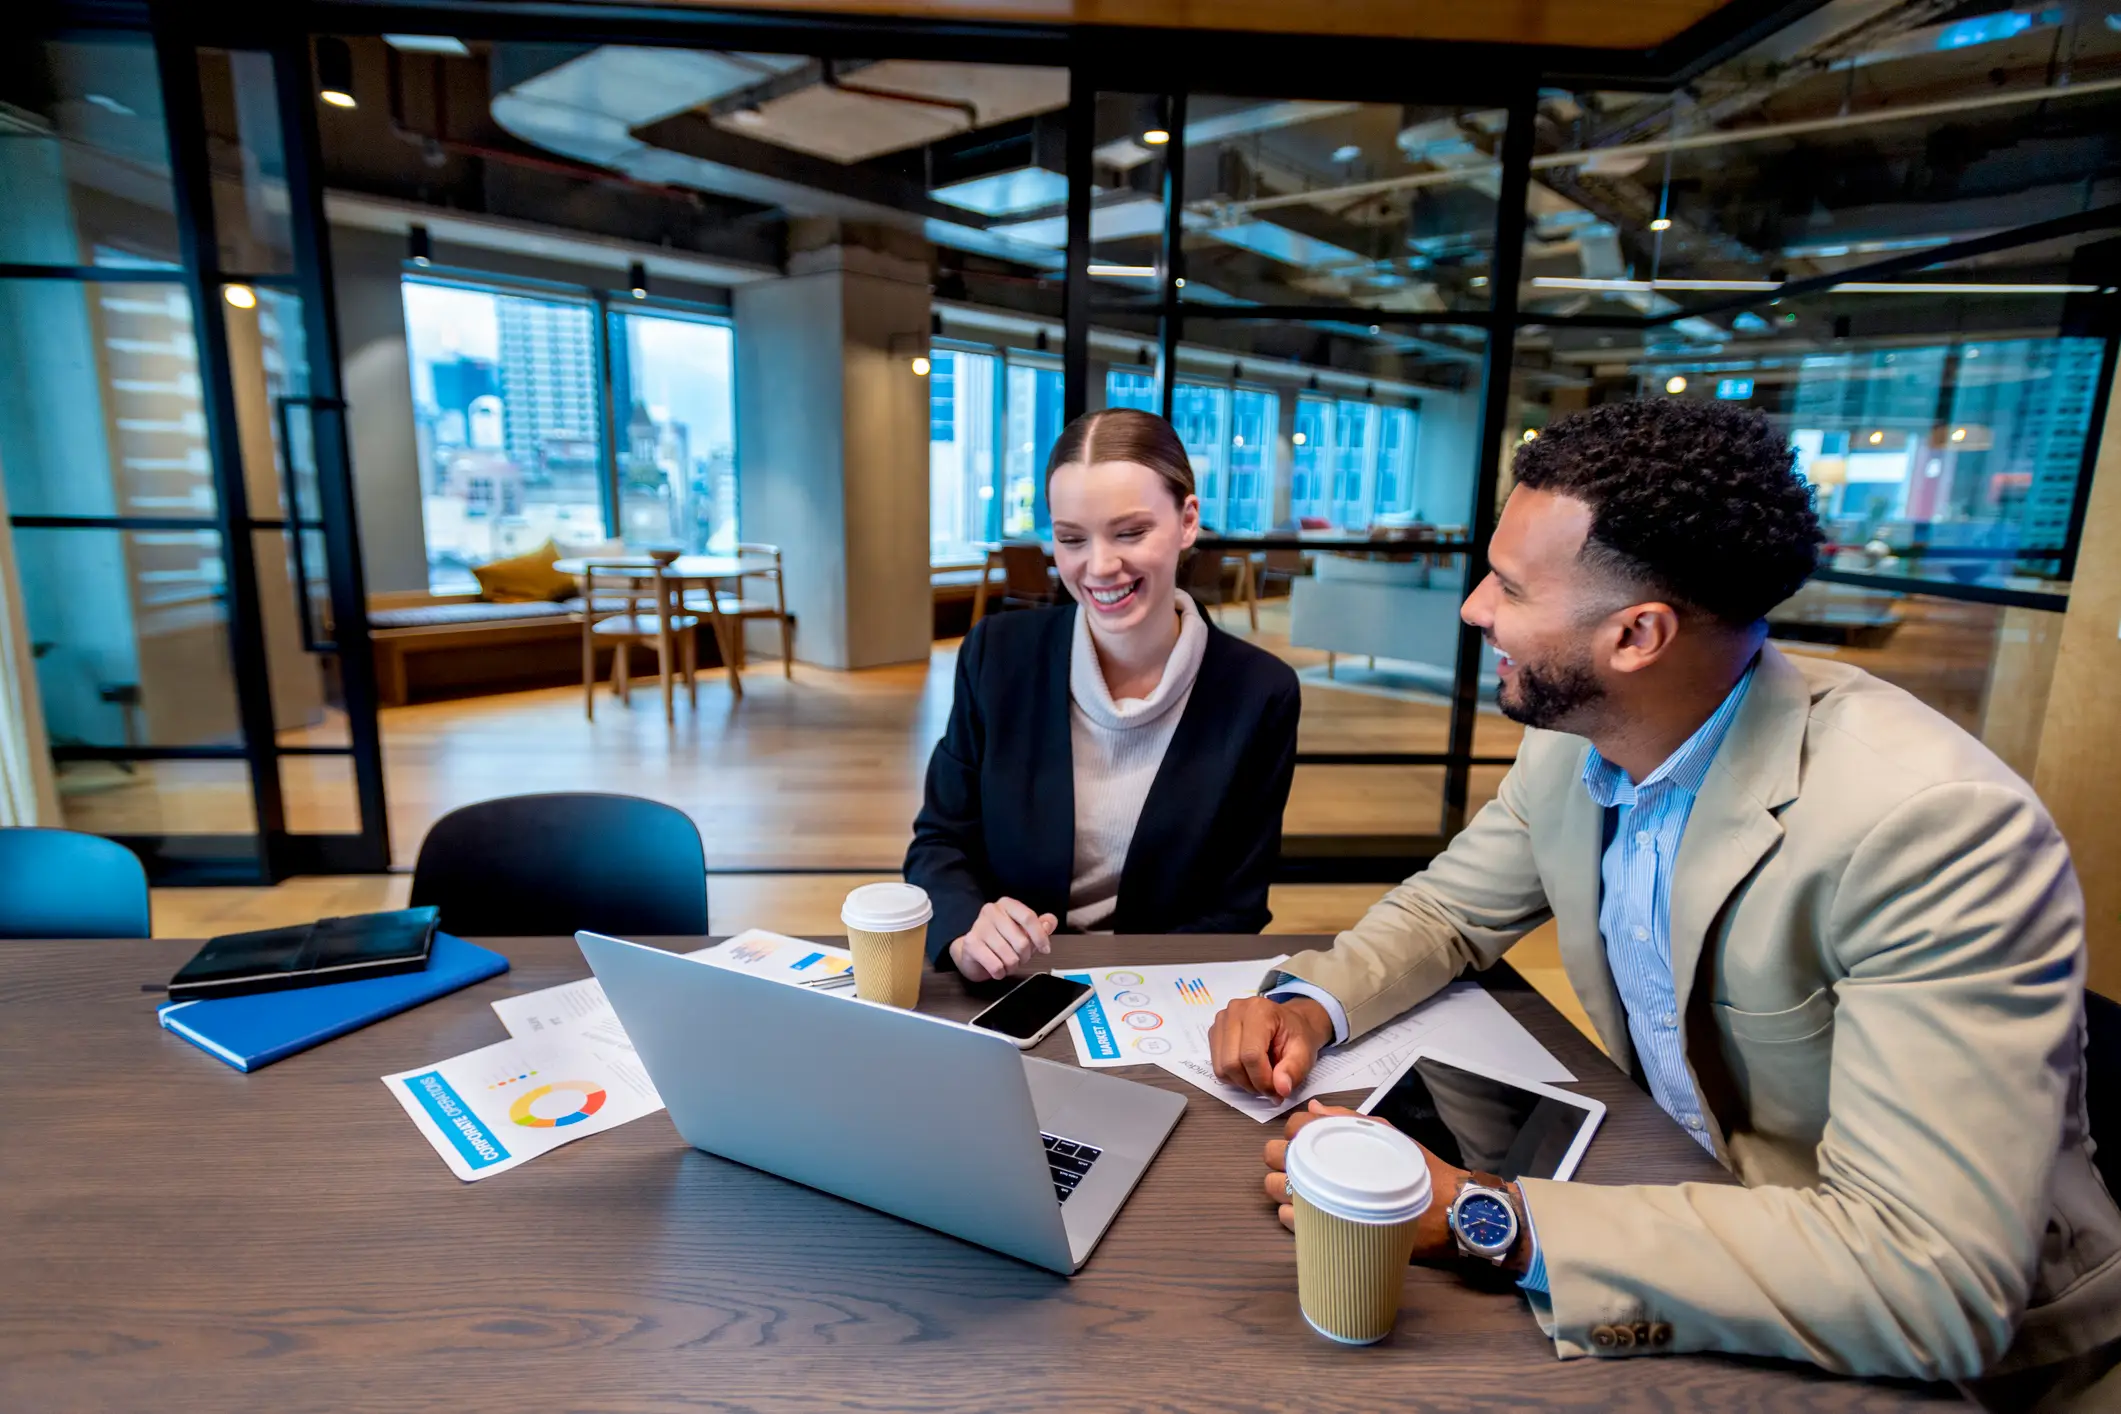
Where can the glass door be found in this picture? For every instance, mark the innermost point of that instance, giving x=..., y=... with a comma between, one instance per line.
x=174, y=459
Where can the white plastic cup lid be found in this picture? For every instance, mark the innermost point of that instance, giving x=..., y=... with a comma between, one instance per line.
x=886, y=908
x=1359, y=1168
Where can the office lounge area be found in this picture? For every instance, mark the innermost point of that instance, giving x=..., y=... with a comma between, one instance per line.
x=804, y=300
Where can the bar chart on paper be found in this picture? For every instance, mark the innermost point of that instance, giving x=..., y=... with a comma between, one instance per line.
x=1157, y=1015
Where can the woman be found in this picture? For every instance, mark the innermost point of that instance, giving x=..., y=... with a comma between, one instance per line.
x=1117, y=765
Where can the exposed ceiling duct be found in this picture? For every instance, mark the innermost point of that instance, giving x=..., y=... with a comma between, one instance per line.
x=763, y=127
x=851, y=113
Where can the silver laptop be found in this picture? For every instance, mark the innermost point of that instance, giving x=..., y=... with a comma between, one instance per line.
x=926, y=1119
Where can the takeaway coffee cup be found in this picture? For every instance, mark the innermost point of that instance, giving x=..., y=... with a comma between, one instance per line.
x=1357, y=1185
x=887, y=931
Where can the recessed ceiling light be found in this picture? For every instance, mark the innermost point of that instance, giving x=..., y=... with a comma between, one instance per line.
x=240, y=296
x=1662, y=223
x=1347, y=152
x=110, y=105
x=1156, y=137
x=1675, y=385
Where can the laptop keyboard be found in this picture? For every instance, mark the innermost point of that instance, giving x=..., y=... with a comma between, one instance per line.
x=1069, y=1161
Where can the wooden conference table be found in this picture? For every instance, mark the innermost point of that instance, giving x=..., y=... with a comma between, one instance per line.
x=176, y=1234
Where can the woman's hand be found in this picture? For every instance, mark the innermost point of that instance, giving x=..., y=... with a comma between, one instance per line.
x=1005, y=937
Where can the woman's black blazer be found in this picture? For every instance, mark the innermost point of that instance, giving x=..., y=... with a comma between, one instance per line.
x=999, y=818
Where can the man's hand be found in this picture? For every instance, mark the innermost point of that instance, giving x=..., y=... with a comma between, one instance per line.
x=1432, y=1231
x=1268, y=1047
x=1006, y=936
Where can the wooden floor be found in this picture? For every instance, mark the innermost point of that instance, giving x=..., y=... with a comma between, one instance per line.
x=822, y=772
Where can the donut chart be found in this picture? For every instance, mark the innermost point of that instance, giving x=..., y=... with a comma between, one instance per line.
x=1143, y=1020
x=591, y=1099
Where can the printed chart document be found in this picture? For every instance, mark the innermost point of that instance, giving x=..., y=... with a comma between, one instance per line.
x=783, y=959
x=491, y=1109
x=580, y=1009
x=1462, y=1019
x=1157, y=1015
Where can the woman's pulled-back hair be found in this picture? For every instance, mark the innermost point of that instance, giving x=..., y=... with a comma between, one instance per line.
x=1125, y=435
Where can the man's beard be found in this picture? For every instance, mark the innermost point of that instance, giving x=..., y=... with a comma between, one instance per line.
x=1548, y=695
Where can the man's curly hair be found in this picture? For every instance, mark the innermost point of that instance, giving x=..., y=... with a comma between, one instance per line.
x=1698, y=502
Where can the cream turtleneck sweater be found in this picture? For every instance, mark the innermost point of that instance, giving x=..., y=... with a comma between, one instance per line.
x=1118, y=747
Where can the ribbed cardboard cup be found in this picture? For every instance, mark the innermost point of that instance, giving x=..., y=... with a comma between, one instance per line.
x=1358, y=1186
x=887, y=932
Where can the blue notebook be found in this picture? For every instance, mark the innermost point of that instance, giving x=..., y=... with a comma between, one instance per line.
x=253, y=1031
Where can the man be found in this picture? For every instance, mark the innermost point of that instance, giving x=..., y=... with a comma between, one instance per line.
x=1836, y=939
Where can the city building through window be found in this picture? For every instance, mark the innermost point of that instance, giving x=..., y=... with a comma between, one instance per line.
x=508, y=421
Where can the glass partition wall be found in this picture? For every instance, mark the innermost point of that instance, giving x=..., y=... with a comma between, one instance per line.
x=1306, y=288
x=173, y=449
x=1354, y=303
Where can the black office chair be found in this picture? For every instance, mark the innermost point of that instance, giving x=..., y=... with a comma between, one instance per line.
x=2102, y=1084
x=64, y=884
x=540, y=865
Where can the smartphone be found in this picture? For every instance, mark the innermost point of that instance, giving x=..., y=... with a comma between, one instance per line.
x=1032, y=1008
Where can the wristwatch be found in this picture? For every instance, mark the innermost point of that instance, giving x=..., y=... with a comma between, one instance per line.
x=1484, y=1221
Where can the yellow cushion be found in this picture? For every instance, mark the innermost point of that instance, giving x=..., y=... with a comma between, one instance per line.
x=524, y=579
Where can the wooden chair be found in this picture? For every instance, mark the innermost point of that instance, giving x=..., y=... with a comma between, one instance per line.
x=1026, y=581
x=761, y=563
x=1203, y=577
x=1286, y=565
x=612, y=594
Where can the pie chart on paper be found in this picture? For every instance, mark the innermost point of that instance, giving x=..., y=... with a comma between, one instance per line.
x=560, y=1103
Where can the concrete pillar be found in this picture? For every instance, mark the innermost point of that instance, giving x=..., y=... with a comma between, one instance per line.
x=832, y=448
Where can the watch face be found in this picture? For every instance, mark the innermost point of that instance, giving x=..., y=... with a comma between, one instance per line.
x=1486, y=1223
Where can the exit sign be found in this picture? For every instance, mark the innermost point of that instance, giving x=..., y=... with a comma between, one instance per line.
x=1731, y=389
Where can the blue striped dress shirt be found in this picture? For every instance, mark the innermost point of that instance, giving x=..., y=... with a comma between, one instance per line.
x=1646, y=821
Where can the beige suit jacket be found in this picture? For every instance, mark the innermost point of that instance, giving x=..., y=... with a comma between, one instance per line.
x=1878, y=947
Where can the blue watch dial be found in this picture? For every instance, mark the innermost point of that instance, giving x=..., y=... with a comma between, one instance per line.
x=1486, y=1222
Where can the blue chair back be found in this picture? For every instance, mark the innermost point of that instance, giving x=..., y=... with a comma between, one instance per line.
x=545, y=865
x=63, y=884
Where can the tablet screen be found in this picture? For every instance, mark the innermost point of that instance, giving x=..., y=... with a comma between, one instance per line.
x=1478, y=1122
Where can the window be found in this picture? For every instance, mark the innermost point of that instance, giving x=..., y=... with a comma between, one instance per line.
x=1959, y=460
x=1131, y=388
x=1034, y=424
x=1355, y=434
x=1395, y=463
x=1256, y=416
x=505, y=415
x=674, y=398
x=963, y=509
x=1201, y=412
x=1312, y=446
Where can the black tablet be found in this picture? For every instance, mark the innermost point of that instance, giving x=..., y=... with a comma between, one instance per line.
x=1480, y=1119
